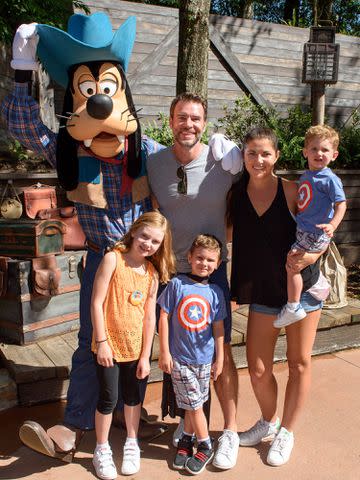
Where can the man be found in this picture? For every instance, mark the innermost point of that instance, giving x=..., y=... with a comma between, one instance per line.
x=190, y=189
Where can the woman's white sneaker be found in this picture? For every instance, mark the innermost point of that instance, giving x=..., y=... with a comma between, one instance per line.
x=227, y=450
x=262, y=430
x=281, y=447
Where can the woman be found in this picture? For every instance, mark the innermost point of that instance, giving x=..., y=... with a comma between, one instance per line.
x=261, y=209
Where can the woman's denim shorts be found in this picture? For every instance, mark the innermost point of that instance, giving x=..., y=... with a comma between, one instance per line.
x=308, y=302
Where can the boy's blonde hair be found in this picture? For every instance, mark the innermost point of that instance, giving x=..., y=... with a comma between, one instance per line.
x=208, y=241
x=324, y=132
x=164, y=258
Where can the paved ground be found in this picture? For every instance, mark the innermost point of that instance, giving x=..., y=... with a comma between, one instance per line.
x=327, y=443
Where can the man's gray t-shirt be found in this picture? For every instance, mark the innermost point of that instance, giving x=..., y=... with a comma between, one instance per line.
x=201, y=210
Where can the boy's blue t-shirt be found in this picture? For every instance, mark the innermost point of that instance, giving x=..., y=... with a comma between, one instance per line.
x=318, y=191
x=192, y=308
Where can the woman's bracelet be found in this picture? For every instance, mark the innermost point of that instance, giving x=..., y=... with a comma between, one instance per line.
x=101, y=341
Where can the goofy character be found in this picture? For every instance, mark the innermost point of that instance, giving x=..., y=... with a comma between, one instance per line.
x=100, y=156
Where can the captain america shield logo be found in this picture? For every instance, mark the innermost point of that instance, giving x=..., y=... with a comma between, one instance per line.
x=305, y=195
x=193, y=313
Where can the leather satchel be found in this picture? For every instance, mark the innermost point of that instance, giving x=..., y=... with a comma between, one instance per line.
x=46, y=276
x=74, y=237
x=38, y=197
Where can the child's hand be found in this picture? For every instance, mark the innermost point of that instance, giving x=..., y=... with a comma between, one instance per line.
x=216, y=369
x=143, y=368
x=328, y=228
x=104, y=355
x=166, y=363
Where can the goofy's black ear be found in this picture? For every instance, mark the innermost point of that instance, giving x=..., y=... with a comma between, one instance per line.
x=134, y=163
x=67, y=163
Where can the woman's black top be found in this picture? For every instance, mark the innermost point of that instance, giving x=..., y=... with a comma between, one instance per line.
x=259, y=250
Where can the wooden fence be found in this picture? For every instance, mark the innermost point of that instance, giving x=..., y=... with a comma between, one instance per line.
x=258, y=58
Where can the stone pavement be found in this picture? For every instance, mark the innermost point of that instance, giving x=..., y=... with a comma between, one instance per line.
x=327, y=443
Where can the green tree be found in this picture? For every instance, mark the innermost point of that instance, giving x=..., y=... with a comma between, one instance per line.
x=15, y=12
x=233, y=8
x=345, y=14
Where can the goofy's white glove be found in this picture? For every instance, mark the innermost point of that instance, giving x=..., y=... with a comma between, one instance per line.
x=24, y=48
x=228, y=152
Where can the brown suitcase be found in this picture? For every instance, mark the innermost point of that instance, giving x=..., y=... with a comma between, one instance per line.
x=27, y=316
x=38, y=197
x=74, y=237
x=26, y=238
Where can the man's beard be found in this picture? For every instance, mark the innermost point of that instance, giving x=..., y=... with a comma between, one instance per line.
x=188, y=143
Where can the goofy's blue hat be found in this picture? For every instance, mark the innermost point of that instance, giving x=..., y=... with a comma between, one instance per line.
x=89, y=38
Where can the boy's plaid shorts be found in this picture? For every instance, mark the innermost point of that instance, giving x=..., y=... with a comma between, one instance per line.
x=191, y=384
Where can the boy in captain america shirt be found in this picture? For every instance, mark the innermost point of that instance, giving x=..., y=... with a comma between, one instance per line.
x=191, y=329
x=321, y=208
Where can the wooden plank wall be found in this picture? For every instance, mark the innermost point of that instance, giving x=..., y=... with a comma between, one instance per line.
x=271, y=54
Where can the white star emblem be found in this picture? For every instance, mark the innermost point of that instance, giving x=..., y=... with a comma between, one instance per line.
x=194, y=312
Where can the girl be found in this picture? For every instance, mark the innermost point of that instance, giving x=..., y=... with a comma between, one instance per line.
x=261, y=209
x=123, y=317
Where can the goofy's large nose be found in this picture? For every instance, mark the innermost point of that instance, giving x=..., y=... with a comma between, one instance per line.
x=99, y=106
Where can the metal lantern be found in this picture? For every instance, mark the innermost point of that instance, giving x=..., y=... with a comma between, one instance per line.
x=321, y=56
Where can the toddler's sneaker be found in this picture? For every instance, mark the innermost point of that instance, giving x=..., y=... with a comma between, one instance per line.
x=184, y=452
x=287, y=316
x=131, y=458
x=104, y=464
x=227, y=451
x=280, y=449
x=262, y=430
x=202, y=457
x=178, y=433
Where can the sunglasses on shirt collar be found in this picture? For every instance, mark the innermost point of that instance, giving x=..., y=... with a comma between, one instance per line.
x=182, y=184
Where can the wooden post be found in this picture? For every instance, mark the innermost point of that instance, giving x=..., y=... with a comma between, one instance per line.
x=318, y=103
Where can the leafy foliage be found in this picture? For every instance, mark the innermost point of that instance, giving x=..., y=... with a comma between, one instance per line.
x=18, y=151
x=18, y=159
x=15, y=12
x=161, y=131
x=349, y=148
x=290, y=131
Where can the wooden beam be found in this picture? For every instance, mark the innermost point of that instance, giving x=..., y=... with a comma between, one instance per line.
x=235, y=68
x=154, y=58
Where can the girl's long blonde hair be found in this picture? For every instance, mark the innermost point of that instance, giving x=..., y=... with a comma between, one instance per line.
x=164, y=258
